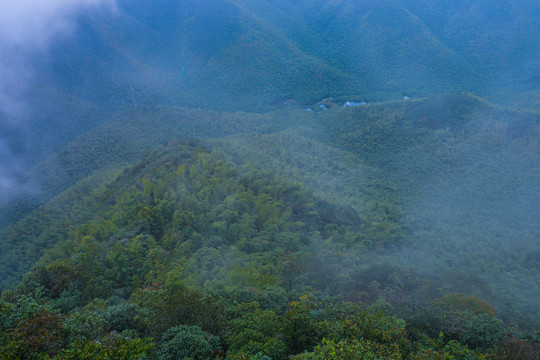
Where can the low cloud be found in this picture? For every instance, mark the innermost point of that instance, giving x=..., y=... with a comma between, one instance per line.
x=35, y=23
x=12, y=183
x=28, y=29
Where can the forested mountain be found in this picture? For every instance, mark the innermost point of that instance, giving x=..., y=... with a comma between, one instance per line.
x=251, y=179
x=390, y=224
x=249, y=54
x=187, y=248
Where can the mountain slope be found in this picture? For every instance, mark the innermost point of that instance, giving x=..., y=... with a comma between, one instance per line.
x=449, y=178
x=186, y=250
x=247, y=55
x=180, y=60
x=383, y=45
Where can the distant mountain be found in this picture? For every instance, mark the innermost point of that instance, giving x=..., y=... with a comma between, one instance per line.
x=249, y=54
x=499, y=37
x=383, y=45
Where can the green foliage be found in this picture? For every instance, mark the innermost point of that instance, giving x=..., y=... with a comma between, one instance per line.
x=376, y=326
x=42, y=333
x=89, y=321
x=462, y=301
x=29, y=328
x=254, y=332
x=518, y=349
x=112, y=348
x=122, y=316
x=250, y=276
x=350, y=350
x=300, y=330
x=436, y=350
x=57, y=277
x=477, y=330
x=188, y=342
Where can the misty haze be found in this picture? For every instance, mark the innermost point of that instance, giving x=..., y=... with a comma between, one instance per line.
x=267, y=180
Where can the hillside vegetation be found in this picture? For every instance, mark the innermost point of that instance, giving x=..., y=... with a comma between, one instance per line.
x=391, y=234
x=185, y=254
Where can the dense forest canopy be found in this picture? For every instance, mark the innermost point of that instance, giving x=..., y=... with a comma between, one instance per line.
x=252, y=179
